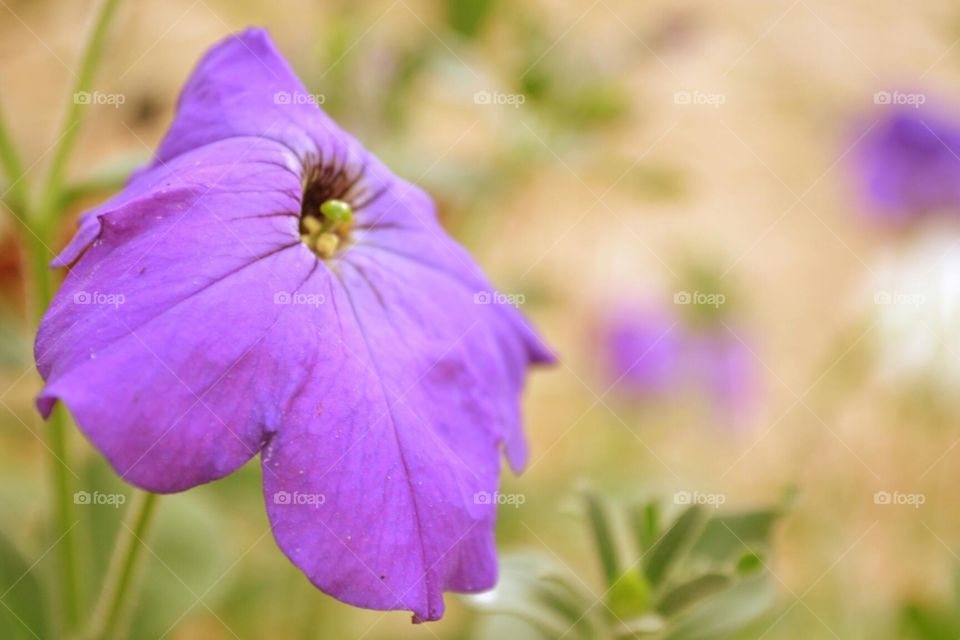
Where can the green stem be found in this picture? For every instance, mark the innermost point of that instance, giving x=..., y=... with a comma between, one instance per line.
x=116, y=597
x=60, y=482
x=92, y=53
x=63, y=511
x=41, y=221
x=40, y=255
x=10, y=160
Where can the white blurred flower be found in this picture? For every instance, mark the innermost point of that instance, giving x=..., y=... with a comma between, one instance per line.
x=915, y=293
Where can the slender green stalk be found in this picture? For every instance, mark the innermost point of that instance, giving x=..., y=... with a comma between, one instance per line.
x=10, y=160
x=61, y=489
x=63, y=510
x=92, y=53
x=41, y=276
x=116, y=597
x=41, y=221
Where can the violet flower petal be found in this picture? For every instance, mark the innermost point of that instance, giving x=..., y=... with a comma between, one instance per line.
x=378, y=390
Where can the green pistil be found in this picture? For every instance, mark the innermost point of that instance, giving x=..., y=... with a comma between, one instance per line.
x=323, y=235
x=336, y=211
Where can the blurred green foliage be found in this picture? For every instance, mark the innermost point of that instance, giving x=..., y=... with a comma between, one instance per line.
x=468, y=17
x=932, y=620
x=24, y=613
x=699, y=575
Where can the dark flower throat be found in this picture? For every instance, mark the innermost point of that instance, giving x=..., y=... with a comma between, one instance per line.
x=332, y=193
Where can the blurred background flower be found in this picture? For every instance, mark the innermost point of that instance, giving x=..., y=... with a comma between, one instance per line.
x=909, y=164
x=641, y=349
x=915, y=299
x=655, y=354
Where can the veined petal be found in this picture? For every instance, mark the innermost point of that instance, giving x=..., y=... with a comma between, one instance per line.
x=156, y=341
x=240, y=88
x=244, y=87
x=396, y=453
x=196, y=328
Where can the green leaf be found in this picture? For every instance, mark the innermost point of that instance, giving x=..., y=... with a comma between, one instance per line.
x=645, y=525
x=603, y=538
x=727, y=537
x=646, y=625
x=727, y=612
x=629, y=596
x=538, y=591
x=22, y=612
x=670, y=549
x=690, y=593
x=557, y=596
x=499, y=626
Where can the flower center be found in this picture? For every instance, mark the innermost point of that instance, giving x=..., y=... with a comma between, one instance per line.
x=327, y=206
x=324, y=232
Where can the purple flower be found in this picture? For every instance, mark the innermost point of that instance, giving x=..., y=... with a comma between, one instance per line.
x=642, y=349
x=725, y=369
x=650, y=352
x=267, y=285
x=909, y=164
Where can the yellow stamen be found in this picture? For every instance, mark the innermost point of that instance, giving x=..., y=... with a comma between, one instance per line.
x=326, y=244
x=311, y=225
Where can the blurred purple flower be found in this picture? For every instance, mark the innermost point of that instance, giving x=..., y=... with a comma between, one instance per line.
x=641, y=349
x=909, y=164
x=650, y=352
x=724, y=369
x=267, y=286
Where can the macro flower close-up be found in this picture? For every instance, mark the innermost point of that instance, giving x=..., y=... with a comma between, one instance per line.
x=477, y=319
x=348, y=352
